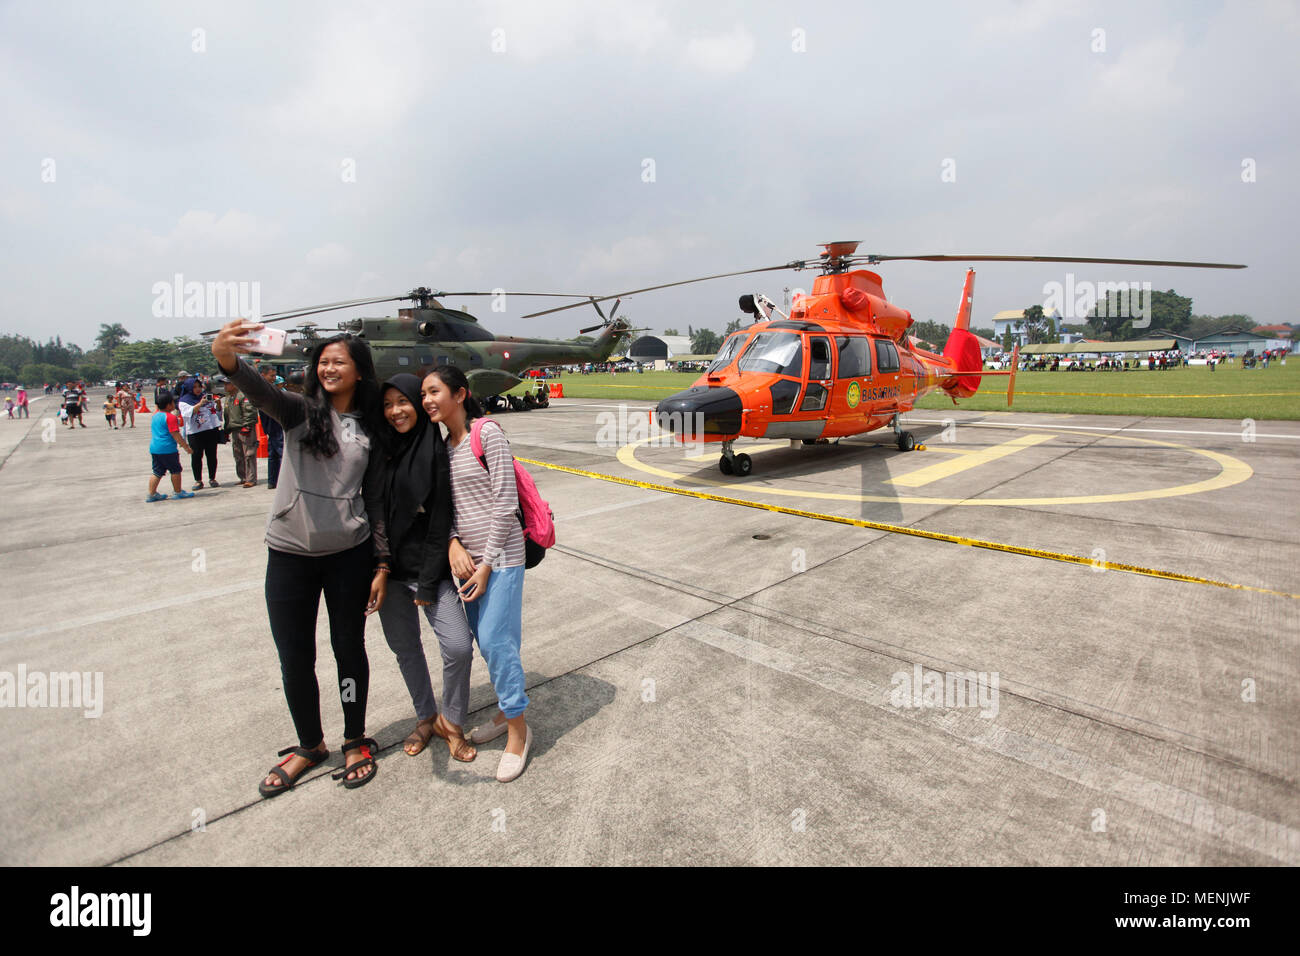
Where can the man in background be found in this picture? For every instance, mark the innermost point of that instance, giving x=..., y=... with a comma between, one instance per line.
x=241, y=425
x=274, y=433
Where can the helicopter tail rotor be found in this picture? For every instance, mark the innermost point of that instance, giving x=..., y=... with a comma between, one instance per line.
x=605, y=320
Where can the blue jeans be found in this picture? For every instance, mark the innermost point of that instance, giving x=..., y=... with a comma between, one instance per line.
x=497, y=620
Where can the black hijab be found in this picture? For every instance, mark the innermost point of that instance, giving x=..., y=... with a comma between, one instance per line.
x=410, y=461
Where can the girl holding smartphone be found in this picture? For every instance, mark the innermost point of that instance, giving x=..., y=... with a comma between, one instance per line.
x=325, y=535
x=486, y=552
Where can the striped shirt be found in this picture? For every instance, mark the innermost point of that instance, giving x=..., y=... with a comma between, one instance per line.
x=485, y=504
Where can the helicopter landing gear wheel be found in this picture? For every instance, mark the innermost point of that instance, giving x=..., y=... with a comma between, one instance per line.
x=724, y=465
x=906, y=441
x=742, y=465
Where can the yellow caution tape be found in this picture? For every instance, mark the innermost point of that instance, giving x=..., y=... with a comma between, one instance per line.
x=915, y=532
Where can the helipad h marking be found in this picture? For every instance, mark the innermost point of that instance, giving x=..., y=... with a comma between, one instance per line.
x=970, y=459
x=1232, y=471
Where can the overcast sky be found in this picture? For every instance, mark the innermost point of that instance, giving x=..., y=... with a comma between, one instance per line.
x=336, y=150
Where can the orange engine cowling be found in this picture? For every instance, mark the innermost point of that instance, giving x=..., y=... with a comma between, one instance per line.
x=964, y=350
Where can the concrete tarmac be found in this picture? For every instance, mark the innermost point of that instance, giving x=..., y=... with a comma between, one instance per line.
x=710, y=684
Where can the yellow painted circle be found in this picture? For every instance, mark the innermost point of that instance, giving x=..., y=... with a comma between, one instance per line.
x=854, y=394
x=1233, y=471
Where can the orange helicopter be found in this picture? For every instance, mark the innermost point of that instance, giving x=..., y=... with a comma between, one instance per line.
x=841, y=363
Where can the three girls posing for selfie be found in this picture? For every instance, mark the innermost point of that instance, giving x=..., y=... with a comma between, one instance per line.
x=362, y=468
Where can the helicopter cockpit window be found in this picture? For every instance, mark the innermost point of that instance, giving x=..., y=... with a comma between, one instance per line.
x=403, y=360
x=886, y=356
x=727, y=352
x=855, y=356
x=780, y=352
x=442, y=330
x=819, y=361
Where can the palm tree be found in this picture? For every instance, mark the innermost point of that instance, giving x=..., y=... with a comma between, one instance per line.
x=110, y=337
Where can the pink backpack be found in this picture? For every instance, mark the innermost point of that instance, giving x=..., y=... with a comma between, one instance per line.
x=534, y=513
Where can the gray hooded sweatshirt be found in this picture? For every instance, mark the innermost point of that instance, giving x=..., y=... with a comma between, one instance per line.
x=322, y=505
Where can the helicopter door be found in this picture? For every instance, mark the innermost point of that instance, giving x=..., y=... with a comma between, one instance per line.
x=817, y=391
x=887, y=369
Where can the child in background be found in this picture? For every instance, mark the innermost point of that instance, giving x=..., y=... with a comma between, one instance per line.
x=9, y=406
x=166, y=435
x=110, y=412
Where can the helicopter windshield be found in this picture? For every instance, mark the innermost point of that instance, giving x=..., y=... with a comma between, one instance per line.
x=727, y=352
x=780, y=352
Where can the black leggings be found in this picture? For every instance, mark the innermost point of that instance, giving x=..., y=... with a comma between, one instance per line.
x=293, y=587
x=204, y=443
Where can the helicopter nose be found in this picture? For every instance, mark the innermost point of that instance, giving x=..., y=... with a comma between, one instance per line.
x=700, y=411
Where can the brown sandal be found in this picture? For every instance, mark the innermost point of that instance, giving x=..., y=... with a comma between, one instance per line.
x=462, y=749
x=423, y=733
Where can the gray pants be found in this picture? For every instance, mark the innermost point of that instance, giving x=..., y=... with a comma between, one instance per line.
x=401, y=622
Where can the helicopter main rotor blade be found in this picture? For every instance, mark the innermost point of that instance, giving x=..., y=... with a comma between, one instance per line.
x=1118, y=262
x=337, y=305
x=313, y=309
x=557, y=295
x=798, y=264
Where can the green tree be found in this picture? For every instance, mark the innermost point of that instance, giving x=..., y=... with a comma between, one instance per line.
x=934, y=334
x=735, y=325
x=1008, y=340
x=90, y=373
x=1038, y=327
x=110, y=337
x=134, y=359
x=1169, y=310
x=36, y=374
x=1200, y=326
x=671, y=332
x=705, y=342
x=16, y=351
x=1112, y=318
x=986, y=333
x=194, y=355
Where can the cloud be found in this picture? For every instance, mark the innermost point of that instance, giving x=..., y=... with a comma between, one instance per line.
x=727, y=52
x=197, y=231
x=330, y=255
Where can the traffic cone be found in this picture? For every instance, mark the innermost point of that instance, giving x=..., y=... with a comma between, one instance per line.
x=557, y=391
x=143, y=407
x=263, y=446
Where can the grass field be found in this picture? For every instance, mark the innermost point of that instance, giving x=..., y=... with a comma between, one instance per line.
x=1192, y=392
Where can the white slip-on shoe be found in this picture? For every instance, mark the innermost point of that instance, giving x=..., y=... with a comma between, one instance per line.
x=488, y=731
x=511, y=765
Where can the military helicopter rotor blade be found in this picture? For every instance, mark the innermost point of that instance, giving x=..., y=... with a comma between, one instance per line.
x=590, y=328
x=558, y=295
x=872, y=259
x=327, y=306
x=313, y=310
x=797, y=264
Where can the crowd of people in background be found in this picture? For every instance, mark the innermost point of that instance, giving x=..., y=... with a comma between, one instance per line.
x=1152, y=361
x=208, y=412
x=197, y=413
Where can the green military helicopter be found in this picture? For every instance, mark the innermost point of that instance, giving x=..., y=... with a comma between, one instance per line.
x=429, y=334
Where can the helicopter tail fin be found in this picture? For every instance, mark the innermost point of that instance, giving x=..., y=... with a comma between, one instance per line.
x=962, y=346
x=967, y=297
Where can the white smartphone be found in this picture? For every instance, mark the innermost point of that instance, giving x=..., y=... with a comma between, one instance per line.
x=271, y=341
